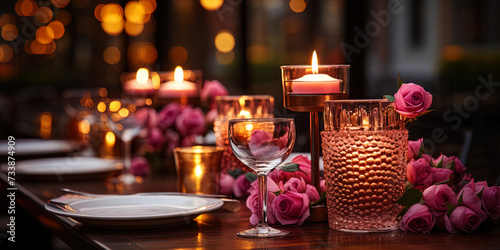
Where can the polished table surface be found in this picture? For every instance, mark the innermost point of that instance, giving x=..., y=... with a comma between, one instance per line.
x=217, y=230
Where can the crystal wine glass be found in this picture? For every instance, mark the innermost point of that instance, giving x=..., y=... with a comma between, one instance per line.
x=126, y=118
x=262, y=144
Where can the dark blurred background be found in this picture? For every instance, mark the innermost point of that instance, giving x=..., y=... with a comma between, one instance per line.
x=451, y=48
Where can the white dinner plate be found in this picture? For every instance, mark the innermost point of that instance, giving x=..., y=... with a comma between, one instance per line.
x=132, y=211
x=65, y=168
x=27, y=147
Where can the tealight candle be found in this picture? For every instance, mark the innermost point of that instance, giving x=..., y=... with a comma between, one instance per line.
x=316, y=83
x=178, y=87
x=141, y=85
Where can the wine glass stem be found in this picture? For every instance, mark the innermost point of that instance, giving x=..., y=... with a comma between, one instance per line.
x=262, y=181
x=128, y=160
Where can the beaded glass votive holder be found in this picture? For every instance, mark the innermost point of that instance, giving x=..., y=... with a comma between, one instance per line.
x=364, y=152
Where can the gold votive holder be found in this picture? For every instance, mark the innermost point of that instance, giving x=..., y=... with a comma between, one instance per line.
x=229, y=107
x=198, y=169
x=364, y=153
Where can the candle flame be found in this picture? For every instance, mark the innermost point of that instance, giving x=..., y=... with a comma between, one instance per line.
x=198, y=171
x=110, y=138
x=142, y=76
x=178, y=74
x=315, y=63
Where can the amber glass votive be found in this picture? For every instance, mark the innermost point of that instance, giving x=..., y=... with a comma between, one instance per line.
x=198, y=169
x=364, y=146
x=246, y=106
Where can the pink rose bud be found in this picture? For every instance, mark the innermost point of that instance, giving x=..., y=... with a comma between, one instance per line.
x=291, y=208
x=241, y=186
x=491, y=202
x=417, y=219
x=212, y=89
x=419, y=173
x=276, y=175
x=295, y=185
x=147, y=116
x=465, y=218
x=253, y=205
x=211, y=116
x=415, y=149
x=168, y=115
x=155, y=139
x=469, y=192
x=190, y=121
x=305, y=167
x=436, y=197
x=440, y=174
x=322, y=186
x=226, y=183
x=312, y=193
x=411, y=100
x=140, y=166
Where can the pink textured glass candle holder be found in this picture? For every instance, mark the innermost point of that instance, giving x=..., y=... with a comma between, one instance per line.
x=364, y=152
x=246, y=106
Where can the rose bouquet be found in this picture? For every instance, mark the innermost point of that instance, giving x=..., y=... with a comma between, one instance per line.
x=176, y=125
x=440, y=195
x=290, y=193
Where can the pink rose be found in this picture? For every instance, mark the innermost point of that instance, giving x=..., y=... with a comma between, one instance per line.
x=322, y=186
x=470, y=191
x=419, y=173
x=417, y=219
x=140, y=166
x=440, y=174
x=212, y=89
x=459, y=167
x=436, y=197
x=305, y=167
x=276, y=175
x=189, y=141
x=411, y=100
x=491, y=202
x=190, y=121
x=147, y=115
x=295, y=185
x=312, y=193
x=155, y=139
x=253, y=205
x=465, y=218
x=241, y=186
x=415, y=149
x=226, y=183
x=168, y=115
x=291, y=208
x=172, y=138
x=211, y=116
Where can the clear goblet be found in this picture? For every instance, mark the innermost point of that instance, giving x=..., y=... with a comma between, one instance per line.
x=262, y=144
x=126, y=119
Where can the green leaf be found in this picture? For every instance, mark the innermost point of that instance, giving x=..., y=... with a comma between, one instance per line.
x=403, y=212
x=389, y=98
x=480, y=194
x=410, y=197
x=251, y=177
x=292, y=167
x=277, y=193
x=461, y=199
x=443, y=182
x=321, y=200
x=400, y=82
x=450, y=207
x=235, y=173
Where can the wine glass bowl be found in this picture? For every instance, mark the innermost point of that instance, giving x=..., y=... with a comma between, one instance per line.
x=126, y=118
x=262, y=144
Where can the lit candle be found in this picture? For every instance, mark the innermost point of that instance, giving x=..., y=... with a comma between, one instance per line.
x=141, y=85
x=316, y=83
x=178, y=87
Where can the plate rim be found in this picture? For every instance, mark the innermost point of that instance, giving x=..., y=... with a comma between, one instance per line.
x=113, y=166
x=212, y=204
x=71, y=146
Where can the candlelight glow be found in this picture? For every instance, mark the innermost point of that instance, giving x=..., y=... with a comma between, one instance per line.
x=315, y=63
x=101, y=107
x=110, y=138
x=155, y=78
x=224, y=42
x=249, y=127
x=211, y=5
x=198, y=171
x=178, y=74
x=115, y=106
x=123, y=112
x=84, y=127
x=45, y=125
x=142, y=76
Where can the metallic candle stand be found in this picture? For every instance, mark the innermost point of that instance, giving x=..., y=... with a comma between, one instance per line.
x=305, y=89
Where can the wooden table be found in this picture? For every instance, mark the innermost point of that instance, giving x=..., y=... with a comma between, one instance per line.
x=215, y=230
